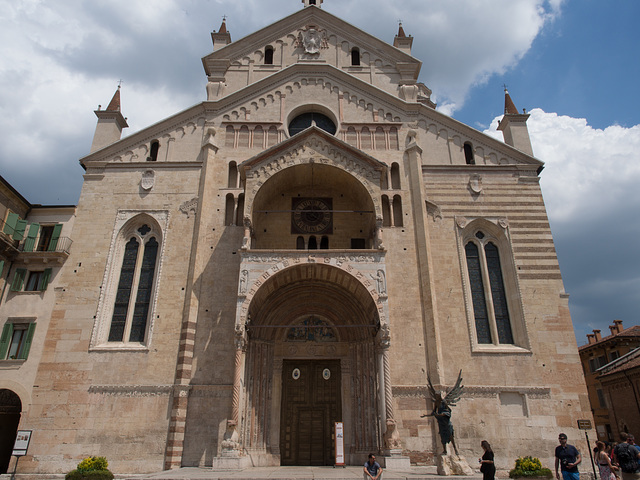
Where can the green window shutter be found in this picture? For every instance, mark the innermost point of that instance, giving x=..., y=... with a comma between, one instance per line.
x=54, y=238
x=10, y=224
x=44, y=279
x=18, y=278
x=1, y=267
x=21, y=226
x=30, y=242
x=24, y=351
x=5, y=339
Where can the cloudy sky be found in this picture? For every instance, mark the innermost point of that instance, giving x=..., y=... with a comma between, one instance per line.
x=573, y=64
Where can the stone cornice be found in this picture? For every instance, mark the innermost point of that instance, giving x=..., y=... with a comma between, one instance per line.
x=474, y=391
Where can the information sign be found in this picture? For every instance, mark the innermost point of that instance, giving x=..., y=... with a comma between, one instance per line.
x=339, y=432
x=584, y=424
x=22, y=443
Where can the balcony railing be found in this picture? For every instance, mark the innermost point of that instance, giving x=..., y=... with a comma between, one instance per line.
x=59, y=245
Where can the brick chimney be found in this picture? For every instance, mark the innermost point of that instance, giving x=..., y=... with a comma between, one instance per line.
x=596, y=333
x=591, y=338
x=618, y=325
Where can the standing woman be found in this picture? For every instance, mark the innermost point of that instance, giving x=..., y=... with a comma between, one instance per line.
x=604, y=463
x=487, y=467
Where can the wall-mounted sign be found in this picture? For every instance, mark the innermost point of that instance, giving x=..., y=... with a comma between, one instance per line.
x=22, y=443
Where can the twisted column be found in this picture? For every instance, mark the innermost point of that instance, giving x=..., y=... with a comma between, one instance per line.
x=391, y=436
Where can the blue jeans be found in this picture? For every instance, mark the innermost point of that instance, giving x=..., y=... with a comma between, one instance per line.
x=570, y=475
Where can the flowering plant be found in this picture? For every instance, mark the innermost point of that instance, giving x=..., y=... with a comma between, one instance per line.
x=93, y=463
x=91, y=468
x=529, y=467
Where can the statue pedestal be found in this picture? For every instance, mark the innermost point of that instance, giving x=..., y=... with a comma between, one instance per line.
x=394, y=460
x=231, y=461
x=453, y=465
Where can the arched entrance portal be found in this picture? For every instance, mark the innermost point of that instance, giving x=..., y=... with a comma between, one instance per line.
x=312, y=360
x=10, y=408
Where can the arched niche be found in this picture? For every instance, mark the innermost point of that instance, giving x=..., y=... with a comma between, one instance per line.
x=284, y=207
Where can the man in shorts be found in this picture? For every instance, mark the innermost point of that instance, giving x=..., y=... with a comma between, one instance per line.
x=567, y=457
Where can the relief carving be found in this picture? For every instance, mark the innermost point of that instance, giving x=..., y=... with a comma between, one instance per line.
x=312, y=39
x=190, y=206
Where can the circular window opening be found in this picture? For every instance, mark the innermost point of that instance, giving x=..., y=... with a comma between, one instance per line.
x=304, y=121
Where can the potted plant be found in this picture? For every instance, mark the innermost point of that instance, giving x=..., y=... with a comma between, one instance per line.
x=91, y=468
x=529, y=467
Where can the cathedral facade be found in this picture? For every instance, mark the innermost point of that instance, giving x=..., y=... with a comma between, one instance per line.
x=305, y=247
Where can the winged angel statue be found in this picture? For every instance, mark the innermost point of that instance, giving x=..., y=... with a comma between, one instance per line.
x=442, y=403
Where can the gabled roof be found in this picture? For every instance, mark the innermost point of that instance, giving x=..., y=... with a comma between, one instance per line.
x=631, y=332
x=279, y=78
x=301, y=137
x=299, y=19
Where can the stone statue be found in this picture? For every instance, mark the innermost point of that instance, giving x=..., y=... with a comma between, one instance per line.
x=442, y=403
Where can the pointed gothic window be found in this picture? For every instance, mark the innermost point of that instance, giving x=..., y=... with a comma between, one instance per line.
x=268, y=55
x=487, y=291
x=135, y=286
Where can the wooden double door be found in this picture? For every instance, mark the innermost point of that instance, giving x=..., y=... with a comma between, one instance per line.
x=311, y=404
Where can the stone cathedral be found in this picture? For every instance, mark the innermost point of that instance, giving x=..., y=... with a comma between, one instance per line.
x=304, y=247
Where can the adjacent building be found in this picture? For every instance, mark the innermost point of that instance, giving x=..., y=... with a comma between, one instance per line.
x=34, y=245
x=620, y=381
x=598, y=352
x=306, y=246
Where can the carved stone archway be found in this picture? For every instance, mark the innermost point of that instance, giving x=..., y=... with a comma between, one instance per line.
x=348, y=292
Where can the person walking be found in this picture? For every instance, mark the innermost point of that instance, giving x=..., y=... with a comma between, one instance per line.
x=605, y=466
x=627, y=456
x=487, y=465
x=567, y=458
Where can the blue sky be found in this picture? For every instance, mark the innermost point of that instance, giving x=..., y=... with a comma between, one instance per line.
x=573, y=64
x=584, y=64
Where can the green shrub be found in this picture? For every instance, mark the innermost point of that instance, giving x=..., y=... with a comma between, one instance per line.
x=91, y=475
x=529, y=467
x=91, y=468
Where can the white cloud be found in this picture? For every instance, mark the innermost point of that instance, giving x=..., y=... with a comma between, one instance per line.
x=589, y=172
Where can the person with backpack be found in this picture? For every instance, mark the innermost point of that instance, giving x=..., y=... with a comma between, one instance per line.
x=627, y=456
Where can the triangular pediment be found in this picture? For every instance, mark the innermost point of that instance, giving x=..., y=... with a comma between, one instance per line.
x=333, y=41
x=314, y=144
